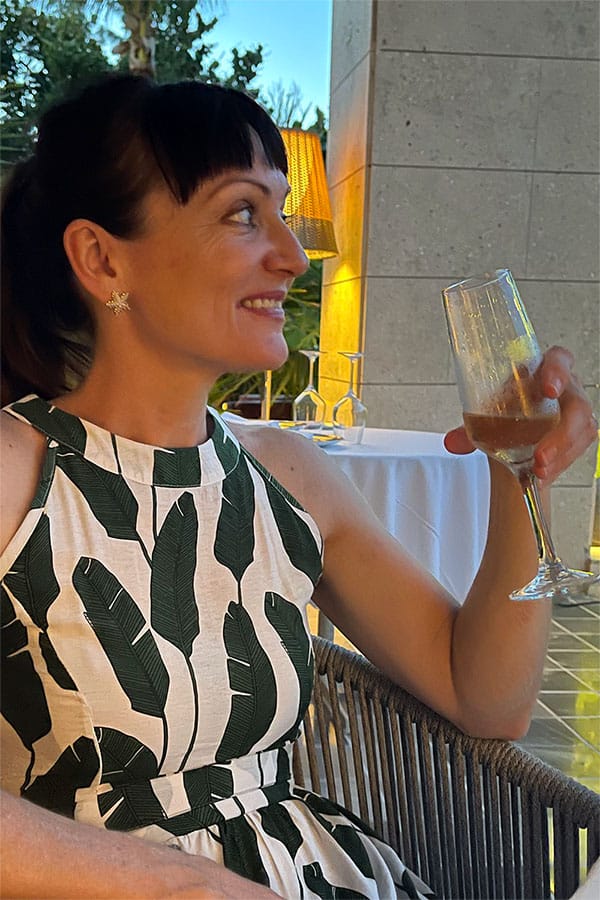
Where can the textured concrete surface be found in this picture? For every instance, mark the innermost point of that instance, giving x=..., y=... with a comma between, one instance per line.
x=464, y=136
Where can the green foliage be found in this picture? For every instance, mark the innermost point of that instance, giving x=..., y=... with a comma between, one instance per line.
x=48, y=45
x=41, y=53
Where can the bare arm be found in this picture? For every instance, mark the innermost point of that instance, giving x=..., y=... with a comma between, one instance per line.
x=47, y=856
x=479, y=664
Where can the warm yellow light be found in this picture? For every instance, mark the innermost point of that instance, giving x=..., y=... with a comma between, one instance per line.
x=308, y=207
x=340, y=330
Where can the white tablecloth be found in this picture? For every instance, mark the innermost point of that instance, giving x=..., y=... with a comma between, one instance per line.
x=435, y=503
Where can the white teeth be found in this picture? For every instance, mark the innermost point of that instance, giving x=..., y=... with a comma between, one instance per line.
x=262, y=303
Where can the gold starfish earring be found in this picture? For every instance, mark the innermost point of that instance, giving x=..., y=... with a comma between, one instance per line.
x=118, y=302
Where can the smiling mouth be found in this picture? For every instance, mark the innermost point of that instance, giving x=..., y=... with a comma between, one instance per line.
x=262, y=303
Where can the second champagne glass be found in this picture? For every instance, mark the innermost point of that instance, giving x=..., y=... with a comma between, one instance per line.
x=496, y=357
x=350, y=413
x=309, y=406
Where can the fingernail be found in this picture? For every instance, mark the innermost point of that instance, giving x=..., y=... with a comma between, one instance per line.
x=555, y=388
x=546, y=456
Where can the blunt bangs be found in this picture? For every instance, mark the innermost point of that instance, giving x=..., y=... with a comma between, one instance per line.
x=196, y=131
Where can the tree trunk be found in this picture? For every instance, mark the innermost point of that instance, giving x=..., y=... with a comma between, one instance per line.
x=141, y=43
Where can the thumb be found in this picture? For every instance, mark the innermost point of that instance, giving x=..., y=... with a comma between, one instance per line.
x=456, y=441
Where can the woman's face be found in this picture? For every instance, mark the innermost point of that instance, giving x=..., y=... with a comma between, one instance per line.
x=207, y=280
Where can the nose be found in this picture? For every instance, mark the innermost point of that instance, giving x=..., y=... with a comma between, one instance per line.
x=286, y=253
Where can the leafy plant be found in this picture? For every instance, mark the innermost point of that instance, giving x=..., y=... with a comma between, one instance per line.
x=46, y=45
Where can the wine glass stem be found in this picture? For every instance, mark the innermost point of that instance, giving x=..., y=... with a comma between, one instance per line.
x=531, y=494
x=353, y=379
x=311, y=369
x=265, y=408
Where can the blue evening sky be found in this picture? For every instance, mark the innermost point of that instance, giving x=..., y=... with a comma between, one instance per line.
x=296, y=37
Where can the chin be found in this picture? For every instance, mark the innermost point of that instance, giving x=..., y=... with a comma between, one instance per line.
x=263, y=362
x=274, y=357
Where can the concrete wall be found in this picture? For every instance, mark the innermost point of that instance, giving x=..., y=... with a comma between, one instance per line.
x=464, y=136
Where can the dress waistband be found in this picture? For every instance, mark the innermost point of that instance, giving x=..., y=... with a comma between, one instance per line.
x=185, y=801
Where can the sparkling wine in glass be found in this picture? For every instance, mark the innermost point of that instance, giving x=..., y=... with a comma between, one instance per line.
x=496, y=356
x=309, y=407
x=350, y=413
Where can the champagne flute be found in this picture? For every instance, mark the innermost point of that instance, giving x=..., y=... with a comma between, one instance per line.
x=496, y=356
x=350, y=413
x=309, y=407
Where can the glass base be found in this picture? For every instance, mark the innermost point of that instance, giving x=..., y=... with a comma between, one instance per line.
x=567, y=587
x=352, y=434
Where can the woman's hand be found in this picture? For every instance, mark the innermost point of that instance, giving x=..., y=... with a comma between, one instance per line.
x=577, y=429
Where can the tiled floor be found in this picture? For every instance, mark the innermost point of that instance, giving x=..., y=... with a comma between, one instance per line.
x=565, y=730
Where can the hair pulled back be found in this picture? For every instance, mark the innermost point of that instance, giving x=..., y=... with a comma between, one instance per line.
x=96, y=157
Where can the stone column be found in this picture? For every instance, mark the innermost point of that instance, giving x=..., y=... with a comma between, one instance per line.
x=464, y=136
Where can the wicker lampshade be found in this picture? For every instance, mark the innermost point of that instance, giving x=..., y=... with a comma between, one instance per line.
x=307, y=206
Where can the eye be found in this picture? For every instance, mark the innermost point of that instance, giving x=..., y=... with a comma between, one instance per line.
x=243, y=216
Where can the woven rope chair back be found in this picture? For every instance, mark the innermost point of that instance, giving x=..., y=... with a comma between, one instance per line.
x=474, y=818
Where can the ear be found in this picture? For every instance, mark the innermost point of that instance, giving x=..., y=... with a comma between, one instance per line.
x=94, y=257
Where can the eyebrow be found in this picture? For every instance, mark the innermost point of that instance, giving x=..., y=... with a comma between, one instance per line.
x=235, y=179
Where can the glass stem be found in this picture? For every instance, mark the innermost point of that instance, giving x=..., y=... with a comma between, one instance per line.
x=265, y=409
x=311, y=370
x=531, y=494
x=353, y=379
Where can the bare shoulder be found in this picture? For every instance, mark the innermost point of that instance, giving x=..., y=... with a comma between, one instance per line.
x=22, y=451
x=286, y=455
x=305, y=470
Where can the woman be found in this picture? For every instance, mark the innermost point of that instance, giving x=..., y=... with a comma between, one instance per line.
x=156, y=567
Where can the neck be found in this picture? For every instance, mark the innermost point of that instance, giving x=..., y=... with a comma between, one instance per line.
x=165, y=412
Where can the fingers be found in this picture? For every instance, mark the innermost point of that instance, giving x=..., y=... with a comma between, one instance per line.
x=578, y=428
x=556, y=371
x=456, y=441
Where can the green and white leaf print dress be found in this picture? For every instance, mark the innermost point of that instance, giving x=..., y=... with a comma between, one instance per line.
x=156, y=660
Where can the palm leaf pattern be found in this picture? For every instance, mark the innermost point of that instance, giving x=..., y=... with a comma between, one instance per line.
x=234, y=541
x=278, y=823
x=132, y=806
x=252, y=681
x=76, y=766
x=318, y=884
x=31, y=577
x=180, y=466
x=64, y=428
x=174, y=606
x=128, y=643
x=111, y=513
x=297, y=538
x=22, y=697
x=287, y=620
x=124, y=757
x=54, y=665
x=241, y=854
x=107, y=494
x=46, y=477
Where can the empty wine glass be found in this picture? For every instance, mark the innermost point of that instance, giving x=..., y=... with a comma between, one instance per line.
x=350, y=413
x=309, y=406
x=496, y=356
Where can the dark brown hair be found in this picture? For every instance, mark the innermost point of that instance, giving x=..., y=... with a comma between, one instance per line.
x=96, y=157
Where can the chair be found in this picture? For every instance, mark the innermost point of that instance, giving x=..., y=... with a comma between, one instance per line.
x=473, y=817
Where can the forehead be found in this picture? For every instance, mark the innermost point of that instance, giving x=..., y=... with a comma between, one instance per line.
x=161, y=207
x=261, y=175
